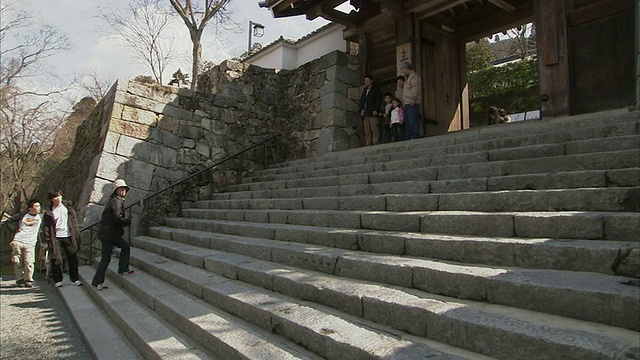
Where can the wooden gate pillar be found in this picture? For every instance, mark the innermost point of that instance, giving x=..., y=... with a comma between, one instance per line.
x=553, y=59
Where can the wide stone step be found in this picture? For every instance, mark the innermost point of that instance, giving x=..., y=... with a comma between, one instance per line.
x=576, y=140
x=557, y=130
x=102, y=336
x=559, y=254
x=467, y=181
x=585, y=199
x=150, y=335
x=224, y=335
x=521, y=332
x=460, y=154
x=550, y=291
x=447, y=167
x=319, y=329
x=616, y=226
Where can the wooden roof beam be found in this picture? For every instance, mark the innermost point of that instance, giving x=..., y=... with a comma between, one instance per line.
x=326, y=11
x=444, y=7
x=503, y=5
x=393, y=8
x=320, y=7
x=285, y=4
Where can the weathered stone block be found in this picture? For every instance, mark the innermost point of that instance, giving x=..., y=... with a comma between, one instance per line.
x=168, y=123
x=344, y=74
x=332, y=139
x=330, y=117
x=334, y=86
x=191, y=132
x=174, y=112
x=166, y=138
x=111, y=142
x=203, y=150
x=332, y=58
x=139, y=116
x=354, y=93
x=131, y=129
x=338, y=101
x=155, y=92
x=128, y=145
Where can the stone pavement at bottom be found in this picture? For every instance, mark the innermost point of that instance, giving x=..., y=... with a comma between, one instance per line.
x=36, y=324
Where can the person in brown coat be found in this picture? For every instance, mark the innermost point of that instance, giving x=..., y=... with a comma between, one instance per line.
x=60, y=232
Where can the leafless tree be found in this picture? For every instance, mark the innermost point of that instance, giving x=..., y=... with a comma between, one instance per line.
x=523, y=40
x=143, y=28
x=28, y=114
x=196, y=18
x=96, y=82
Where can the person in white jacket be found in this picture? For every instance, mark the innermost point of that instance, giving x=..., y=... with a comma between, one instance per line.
x=23, y=245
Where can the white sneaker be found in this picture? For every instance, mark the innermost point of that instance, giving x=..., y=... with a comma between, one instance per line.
x=77, y=283
x=59, y=284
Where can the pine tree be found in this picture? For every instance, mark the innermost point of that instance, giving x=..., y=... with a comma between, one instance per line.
x=179, y=79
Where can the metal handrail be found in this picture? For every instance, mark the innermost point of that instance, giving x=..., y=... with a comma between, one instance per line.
x=208, y=168
x=192, y=176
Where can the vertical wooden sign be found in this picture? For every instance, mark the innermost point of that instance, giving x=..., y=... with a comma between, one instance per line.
x=403, y=53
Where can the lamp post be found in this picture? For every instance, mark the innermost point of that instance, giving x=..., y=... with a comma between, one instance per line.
x=258, y=31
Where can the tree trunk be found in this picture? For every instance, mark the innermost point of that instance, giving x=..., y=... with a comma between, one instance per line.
x=197, y=56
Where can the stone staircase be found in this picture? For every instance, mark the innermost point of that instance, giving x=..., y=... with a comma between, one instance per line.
x=503, y=242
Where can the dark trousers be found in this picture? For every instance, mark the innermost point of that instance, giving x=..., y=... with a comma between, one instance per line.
x=386, y=137
x=412, y=121
x=72, y=261
x=107, y=250
x=397, y=132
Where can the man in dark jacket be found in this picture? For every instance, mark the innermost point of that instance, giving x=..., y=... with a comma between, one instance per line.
x=110, y=234
x=60, y=233
x=370, y=103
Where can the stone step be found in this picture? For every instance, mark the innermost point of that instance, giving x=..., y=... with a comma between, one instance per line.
x=468, y=181
x=584, y=199
x=454, y=143
x=460, y=154
x=423, y=170
x=150, y=335
x=583, y=225
x=102, y=336
x=489, y=138
x=321, y=330
x=550, y=291
x=560, y=254
x=224, y=335
x=521, y=332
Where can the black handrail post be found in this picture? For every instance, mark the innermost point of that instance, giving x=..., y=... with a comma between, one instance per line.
x=130, y=225
x=177, y=197
x=91, y=244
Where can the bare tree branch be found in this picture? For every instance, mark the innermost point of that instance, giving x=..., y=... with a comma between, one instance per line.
x=187, y=12
x=29, y=114
x=142, y=28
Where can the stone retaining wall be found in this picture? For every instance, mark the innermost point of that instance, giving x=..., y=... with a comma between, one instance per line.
x=153, y=135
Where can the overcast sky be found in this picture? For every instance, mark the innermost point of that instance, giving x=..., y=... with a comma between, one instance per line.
x=94, y=45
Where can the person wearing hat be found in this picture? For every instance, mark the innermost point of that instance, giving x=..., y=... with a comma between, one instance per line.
x=110, y=234
x=60, y=232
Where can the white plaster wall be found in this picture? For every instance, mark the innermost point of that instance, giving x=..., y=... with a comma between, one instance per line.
x=283, y=55
x=270, y=58
x=321, y=44
x=289, y=57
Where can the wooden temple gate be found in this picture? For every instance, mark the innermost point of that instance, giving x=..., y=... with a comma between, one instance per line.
x=587, y=52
